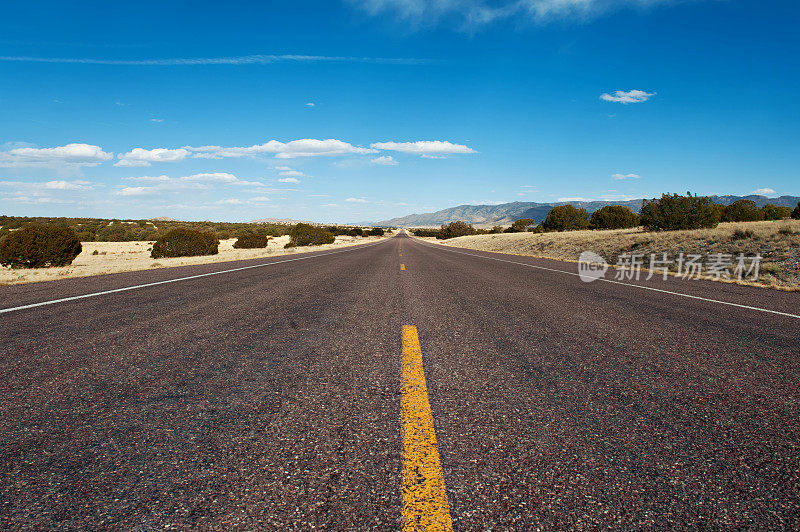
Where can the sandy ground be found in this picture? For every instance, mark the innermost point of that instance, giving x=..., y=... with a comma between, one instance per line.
x=780, y=252
x=115, y=257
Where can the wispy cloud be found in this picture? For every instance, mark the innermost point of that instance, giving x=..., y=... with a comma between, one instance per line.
x=141, y=157
x=282, y=150
x=288, y=180
x=764, y=191
x=423, y=147
x=625, y=176
x=633, y=96
x=71, y=155
x=384, y=160
x=255, y=59
x=471, y=14
x=356, y=200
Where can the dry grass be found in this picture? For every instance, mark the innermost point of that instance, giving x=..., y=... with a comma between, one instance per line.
x=780, y=251
x=115, y=257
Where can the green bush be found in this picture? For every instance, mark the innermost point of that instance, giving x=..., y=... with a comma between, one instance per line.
x=250, y=241
x=356, y=231
x=614, y=217
x=183, y=242
x=673, y=212
x=455, y=229
x=376, y=231
x=741, y=211
x=39, y=246
x=796, y=212
x=521, y=225
x=741, y=235
x=309, y=235
x=421, y=231
x=773, y=212
x=566, y=218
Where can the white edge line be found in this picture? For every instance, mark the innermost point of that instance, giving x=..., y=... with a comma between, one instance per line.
x=446, y=248
x=126, y=288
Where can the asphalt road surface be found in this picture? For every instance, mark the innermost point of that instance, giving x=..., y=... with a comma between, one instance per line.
x=270, y=397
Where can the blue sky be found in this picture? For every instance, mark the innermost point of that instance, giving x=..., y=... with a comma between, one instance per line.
x=366, y=109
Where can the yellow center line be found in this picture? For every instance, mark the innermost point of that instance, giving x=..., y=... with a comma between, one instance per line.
x=402, y=266
x=425, y=505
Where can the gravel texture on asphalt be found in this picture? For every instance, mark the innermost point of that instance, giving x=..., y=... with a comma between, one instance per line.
x=268, y=398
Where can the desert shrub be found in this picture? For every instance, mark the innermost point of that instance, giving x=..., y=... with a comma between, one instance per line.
x=455, y=229
x=250, y=241
x=496, y=229
x=376, y=231
x=356, y=231
x=39, y=246
x=521, y=225
x=673, y=212
x=566, y=218
x=788, y=231
x=741, y=235
x=421, y=231
x=773, y=212
x=614, y=217
x=184, y=242
x=796, y=212
x=309, y=235
x=741, y=211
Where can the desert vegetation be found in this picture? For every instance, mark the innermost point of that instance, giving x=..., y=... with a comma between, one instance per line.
x=671, y=224
x=39, y=246
x=251, y=241
x=310, y=235
x=183, y=242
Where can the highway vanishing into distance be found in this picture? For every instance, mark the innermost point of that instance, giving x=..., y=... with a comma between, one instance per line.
x=397, y=384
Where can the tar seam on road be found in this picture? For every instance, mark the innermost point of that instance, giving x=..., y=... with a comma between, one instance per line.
x=126, y=288
x=425, y=505
x=624, y=284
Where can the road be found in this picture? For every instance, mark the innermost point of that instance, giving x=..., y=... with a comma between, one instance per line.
x=270, y=397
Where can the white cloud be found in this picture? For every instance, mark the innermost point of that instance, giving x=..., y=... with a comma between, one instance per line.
x=220, y=177
x=156, y=119
x=39, y=188
x=288, y=180
x=292, y=173
x=574, y=199
x=764, y=191
x=475, y=13
x=67, y=185
x=633, y=96
x=283, y=150
x=310, y=104
x=385, y=160
x=617, y=197
x=258, y=59
x=261, y=198
x=625, y=176
x=356, y=200
x=136, y=191
x=138, y=157
x=230, y=201
x=72, y=155
x=283, y=168
x=151, y=178
x=423, y=147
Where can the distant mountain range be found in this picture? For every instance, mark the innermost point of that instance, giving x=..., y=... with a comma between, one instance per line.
x=505, y=213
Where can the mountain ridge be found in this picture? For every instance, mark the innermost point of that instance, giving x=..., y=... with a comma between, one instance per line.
x=505, y=213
